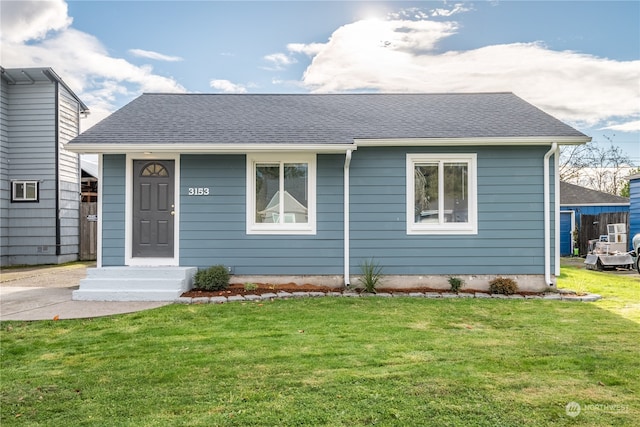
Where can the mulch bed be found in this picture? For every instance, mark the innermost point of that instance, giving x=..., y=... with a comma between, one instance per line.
x=265, y=288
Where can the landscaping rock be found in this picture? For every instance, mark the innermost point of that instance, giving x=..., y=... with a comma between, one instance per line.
x=217, y=300
x=433, y=295
x=300, y=294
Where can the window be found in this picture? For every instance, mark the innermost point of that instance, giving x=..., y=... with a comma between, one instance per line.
x=281, y=194
x=441, y=194
x=24, y=191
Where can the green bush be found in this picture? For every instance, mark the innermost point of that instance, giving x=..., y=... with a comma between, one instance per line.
x=456, y=283
x=214, y=278
x=371, y=275
x=503, y=285
x=250, y=286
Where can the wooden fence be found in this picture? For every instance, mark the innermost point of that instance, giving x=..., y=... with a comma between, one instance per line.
x=88, y=231
x=594, y=226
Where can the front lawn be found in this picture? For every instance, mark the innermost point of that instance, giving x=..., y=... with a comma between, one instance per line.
x=330, y=361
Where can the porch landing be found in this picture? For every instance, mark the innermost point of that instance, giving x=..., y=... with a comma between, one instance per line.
x=135, y=283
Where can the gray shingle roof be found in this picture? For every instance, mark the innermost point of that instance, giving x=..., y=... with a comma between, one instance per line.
x=320, y=119
x=571, y=194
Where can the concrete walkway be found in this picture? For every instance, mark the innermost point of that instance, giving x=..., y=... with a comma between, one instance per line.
x=44, y=293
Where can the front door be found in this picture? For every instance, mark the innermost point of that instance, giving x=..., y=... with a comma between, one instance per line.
x=153, y=208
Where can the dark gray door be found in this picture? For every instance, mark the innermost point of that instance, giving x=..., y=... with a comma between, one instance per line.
x=153, y=208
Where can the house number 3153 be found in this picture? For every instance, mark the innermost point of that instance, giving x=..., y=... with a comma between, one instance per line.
x=198, y=191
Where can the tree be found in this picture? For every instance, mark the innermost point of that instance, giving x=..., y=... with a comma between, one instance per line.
x=594, y=166
x=625, y=191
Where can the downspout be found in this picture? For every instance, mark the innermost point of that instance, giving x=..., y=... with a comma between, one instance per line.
x=347, y=257
x=556, y=210
x=547, y=219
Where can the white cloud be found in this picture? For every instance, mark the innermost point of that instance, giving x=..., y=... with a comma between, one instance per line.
x=631, y=126
x=26, y=20
x=227, y=86
x=80, y=59
x=279, y=61
x=310, y=49
x=149, y=54
x=401, y=56
x=457, y=8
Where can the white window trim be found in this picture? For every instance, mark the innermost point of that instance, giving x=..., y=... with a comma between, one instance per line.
x=284, y=228
x=23, y=197
x=470, y=227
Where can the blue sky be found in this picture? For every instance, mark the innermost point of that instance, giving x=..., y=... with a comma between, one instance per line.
x=577, y=60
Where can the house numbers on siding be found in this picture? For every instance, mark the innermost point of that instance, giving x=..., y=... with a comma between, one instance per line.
x=198, y=191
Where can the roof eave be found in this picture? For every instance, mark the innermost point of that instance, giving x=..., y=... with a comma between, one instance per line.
x=528, y=140
x=207, y=148
x=575, y=205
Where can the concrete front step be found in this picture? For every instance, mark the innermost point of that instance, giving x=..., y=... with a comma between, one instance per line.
x=135, y=283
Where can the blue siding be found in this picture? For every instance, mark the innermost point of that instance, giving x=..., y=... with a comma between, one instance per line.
x=113, y=209
x=510, y=237
x=213, y=228
x=634, y=209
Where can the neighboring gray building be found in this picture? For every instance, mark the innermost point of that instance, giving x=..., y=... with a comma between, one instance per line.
x=39, y=178
x=305, y=188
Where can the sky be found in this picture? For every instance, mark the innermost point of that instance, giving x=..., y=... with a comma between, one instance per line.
x=576, y=60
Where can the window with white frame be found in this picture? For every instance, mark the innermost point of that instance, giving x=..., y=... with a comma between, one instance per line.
x=441, y=194
x=24, y=191
x=281, y=194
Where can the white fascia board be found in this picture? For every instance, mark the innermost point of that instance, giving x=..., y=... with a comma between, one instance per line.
x=421, y=142
x=208, y=148
x=593, y=204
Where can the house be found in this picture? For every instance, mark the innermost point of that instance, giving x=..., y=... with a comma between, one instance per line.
x=576, y=201
x=634, y=207
x=428, y=185
x=39, y=178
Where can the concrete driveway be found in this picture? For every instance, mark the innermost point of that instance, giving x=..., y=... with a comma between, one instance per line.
x=44, y=293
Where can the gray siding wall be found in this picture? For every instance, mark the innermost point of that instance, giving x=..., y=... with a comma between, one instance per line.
x=69, y=175
x=113, y=209
x=213, y=228
x=510, y=237
x=5, y=190
x=29, y=153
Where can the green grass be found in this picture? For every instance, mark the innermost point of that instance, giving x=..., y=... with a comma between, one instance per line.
x=331, y=361
x=621, y=292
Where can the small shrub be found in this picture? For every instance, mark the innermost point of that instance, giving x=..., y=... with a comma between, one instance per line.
x=456, y=283
x=503, y=285
x=213, y=278
x=250, y=286
x=371, y=275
